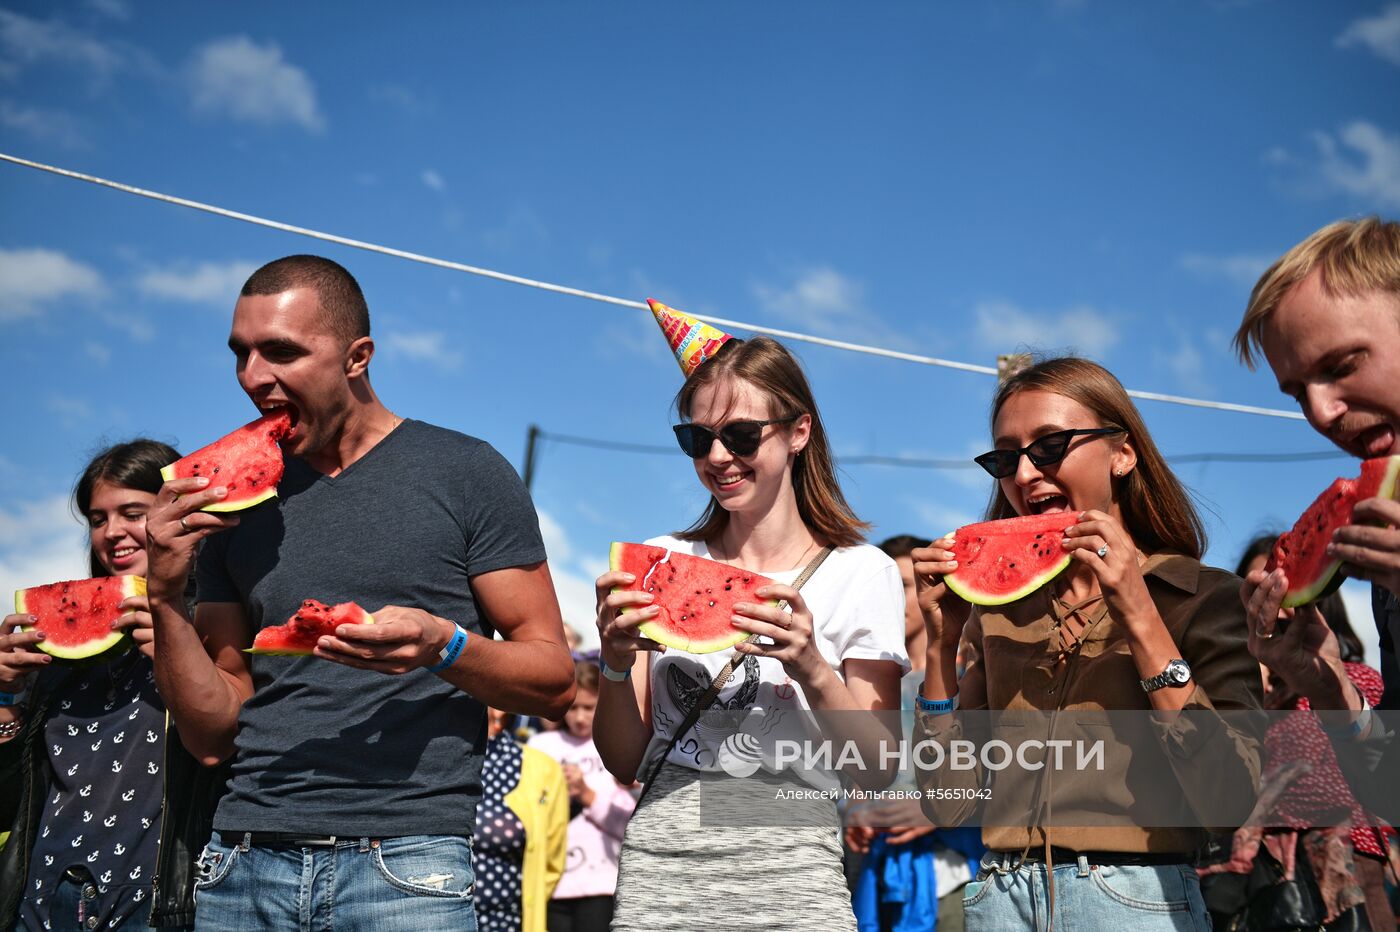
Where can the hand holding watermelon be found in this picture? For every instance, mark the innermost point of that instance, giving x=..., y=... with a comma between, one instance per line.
x=1369, y=547
x=945, y=612
x=18, y=656
x=789, y=632
x=618, y=635
x=136, y=621
x=174, y=528
x=1101, y=543
x=397, y=641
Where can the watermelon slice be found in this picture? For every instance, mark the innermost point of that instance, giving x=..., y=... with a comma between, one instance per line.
x=1302, y=552
x=248, y=462
x=696, y=595
x=1002, y=561
x=76, y=617
x=313, y=621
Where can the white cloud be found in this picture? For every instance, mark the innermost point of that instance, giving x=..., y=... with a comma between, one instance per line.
x=433, y=180
x=1186, y=364
x=50, y=125
x=116, y=9
x=32, y=278
x=1365, y=164
x=1006, y=327
x=40, y=542
x=70, y=410
x=97, y=352
x=25, y=41
x=429, y=346
x=203, y=282
x=402, y=97
x=823, y=300
x=1380, y=34
x=246, y=81
x=1241, y=269
x=577, y=597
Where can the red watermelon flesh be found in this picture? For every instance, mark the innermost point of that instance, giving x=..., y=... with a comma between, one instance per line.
x=313, y=621
x=696, y=595
x=1002, y=561
x=247, y=462
x=1302, y=552
x=76, y=617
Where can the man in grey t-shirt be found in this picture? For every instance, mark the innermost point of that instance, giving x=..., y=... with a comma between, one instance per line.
x=1326, y=316
x=356, y=771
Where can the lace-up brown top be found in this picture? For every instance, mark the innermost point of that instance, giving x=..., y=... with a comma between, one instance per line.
x=1040, y=654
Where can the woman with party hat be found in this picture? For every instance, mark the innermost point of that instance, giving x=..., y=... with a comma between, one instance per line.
x=752, y=430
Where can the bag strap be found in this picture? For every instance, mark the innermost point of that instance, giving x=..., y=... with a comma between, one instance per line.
x=708, y=698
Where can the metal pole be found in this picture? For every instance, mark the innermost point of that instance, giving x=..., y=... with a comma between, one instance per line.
x=530, y=437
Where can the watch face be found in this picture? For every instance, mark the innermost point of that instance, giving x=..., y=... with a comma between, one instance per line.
x=1179, y=672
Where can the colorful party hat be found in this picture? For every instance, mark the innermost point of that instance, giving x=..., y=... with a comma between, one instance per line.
x=693, y=342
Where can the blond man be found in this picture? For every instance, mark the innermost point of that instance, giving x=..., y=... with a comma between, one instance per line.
x=1326, y=318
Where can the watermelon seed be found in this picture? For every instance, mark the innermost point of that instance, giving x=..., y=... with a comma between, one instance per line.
x=712, y=603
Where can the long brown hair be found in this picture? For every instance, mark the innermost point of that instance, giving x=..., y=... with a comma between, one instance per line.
x=1157, y=509
x=768, y=366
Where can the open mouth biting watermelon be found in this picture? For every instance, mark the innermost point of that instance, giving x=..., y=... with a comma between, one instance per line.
x=1002, y=561
x=76, y=617
x=313, y=621
x=247, y=462
x=696, y=596
x=1302, y=552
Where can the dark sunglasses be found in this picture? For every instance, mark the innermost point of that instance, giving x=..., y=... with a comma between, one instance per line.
x=742, y=438
x=1043, y=451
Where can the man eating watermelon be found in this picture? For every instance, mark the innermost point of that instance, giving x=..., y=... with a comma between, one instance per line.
x=355, y=781
x=1326, y=317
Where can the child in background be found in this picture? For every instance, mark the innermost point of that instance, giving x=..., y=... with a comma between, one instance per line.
x=600, y=806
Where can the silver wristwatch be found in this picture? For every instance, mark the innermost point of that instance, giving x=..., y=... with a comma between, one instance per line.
x=1177, y=673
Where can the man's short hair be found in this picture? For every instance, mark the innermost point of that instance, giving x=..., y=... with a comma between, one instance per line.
x=1354, y=256
x=342, y=302
x=901, y=545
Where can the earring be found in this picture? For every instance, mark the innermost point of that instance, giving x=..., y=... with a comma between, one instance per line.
x=1118, y=473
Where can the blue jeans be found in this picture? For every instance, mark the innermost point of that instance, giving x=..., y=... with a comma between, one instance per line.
x=1088, y=896
x=385, y=885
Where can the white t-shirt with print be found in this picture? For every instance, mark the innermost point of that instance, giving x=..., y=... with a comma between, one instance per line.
x=856, y=599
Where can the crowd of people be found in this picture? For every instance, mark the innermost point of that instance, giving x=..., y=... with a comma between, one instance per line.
x=459, y=765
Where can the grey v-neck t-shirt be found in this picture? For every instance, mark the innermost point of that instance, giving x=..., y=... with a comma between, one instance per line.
x=327, y=749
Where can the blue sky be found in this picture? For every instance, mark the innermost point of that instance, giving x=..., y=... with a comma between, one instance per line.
x=949, y=179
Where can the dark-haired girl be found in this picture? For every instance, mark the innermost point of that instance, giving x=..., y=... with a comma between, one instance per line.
x=83, y=746
x=753, y=432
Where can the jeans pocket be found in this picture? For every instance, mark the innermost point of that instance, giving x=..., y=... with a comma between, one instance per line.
x=1160, y=888
x=214, y=863
x=426, y=865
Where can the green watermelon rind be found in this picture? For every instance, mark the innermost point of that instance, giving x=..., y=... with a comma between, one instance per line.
x=1329, y=580
x=265, y=652
x=661, y=635
x=89, y=650
x=970, y=593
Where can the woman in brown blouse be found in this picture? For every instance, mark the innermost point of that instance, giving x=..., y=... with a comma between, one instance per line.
x=1135, y=623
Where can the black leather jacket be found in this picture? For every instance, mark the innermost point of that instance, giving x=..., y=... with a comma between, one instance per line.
x=187, y=813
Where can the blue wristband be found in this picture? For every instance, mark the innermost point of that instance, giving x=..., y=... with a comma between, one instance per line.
x=935, y=706
x=451, y=652
x=617, y=676
x=9, y=699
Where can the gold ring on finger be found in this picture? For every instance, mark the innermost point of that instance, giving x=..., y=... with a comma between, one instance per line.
x=183, y=526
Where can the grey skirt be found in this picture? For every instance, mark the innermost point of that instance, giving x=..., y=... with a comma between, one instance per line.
x=676, y=873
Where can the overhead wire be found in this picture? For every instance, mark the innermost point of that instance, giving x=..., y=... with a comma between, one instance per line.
x=916, y=462
x=597, y=296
